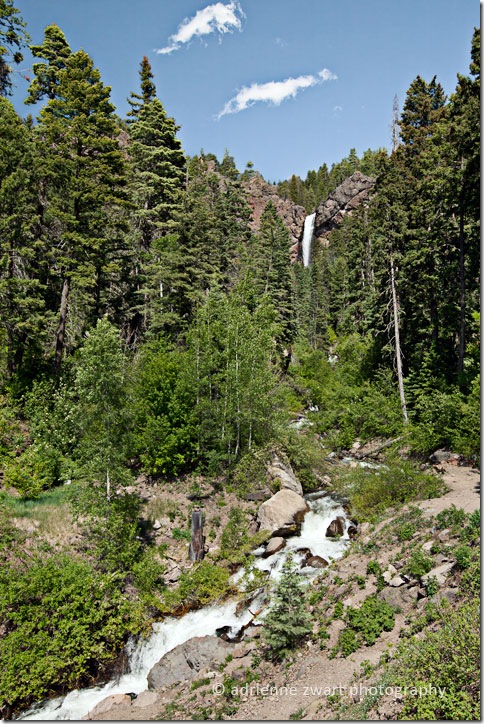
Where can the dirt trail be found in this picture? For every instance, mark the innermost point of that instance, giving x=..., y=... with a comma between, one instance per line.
x=464, y=490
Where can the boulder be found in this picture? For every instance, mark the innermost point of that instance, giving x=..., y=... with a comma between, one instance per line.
x=109, y=703
x=399, y=597
x=352, y=531
x=184, y=662
x=316, y=562
x=440, y=456
x=275, y=544
x=283, y=513
x=145, y=699
x=440, y=573
x=336, y=527
x=283, y=475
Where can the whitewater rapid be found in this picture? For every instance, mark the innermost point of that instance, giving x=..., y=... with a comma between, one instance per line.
x=171, y=632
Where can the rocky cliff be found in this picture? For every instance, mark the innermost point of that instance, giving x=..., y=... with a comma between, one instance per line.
x=354, y=191
x=259, y=193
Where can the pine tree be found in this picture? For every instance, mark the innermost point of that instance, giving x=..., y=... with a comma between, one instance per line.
x=21, y=254
x=272, y=270
x=287, y=622
x=157, y=181
x=13, y=38
x=56, y=51
x=82, y=180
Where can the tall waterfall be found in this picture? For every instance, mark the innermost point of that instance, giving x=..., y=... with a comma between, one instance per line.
x=308, y=238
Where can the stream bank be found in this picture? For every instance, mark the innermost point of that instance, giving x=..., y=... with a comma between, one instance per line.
x=313, y=684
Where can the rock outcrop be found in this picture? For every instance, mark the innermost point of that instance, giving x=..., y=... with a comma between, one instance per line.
x=259, y=193
x=282, y=476
x=184, y=662
x=283, y=513
x=354, y=191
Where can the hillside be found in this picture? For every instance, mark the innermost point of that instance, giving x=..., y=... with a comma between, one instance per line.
x=184, y=397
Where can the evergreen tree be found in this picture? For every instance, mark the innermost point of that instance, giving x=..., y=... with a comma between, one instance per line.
x=21, y=255
x=287, y=622
x=272, y=272
x=82, y=180
x=157, y=182
x=56, y=51
x=12, y=39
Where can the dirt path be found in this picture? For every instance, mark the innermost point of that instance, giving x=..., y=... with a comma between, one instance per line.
x=464, y=490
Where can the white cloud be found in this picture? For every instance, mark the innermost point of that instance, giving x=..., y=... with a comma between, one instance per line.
x=326, y=74
x=214, y=18
x=338, y=109
x=273, y=92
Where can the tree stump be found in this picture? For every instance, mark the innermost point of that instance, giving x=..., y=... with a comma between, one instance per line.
x=197, y=542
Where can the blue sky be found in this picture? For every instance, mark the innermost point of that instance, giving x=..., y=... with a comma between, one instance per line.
x=286, y=84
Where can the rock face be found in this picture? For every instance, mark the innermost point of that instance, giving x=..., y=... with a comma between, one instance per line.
x=259, y=193
x=354, y=191
x=185, y=661
x=283, y=475
x=283, y=513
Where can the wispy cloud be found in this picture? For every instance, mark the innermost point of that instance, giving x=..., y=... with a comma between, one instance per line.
x=274, y=92
x=216, y=18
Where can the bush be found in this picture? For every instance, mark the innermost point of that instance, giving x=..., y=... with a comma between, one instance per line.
x=64, y=624
x=197, y=587
x=372, y=491
x=448, y=658
x=34, y=470
x=365, y=624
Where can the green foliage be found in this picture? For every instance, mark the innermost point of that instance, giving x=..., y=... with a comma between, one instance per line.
x=287, y=622
x=419, y=563
x=448, y=658
x=365, y=624
x=203, y=584
x=12, y=40
x=57, y=637
x=375, y=568
x=463, y=557
x=179, y=534
x=165, y=436
x=398, y=481
x=34, y=470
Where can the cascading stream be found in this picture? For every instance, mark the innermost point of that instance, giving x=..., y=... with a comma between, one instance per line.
x=143, y=655
x=308, y=238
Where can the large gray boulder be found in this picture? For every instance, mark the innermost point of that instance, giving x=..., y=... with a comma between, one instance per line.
x=282, y=475
x=184, y=662
x=283, y=513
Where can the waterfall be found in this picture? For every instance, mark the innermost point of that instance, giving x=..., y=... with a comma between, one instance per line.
x=308, y=238
x=171, y=632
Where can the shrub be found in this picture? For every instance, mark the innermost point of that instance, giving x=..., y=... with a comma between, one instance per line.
x=419, y=563
x=197, y=587
x=448, y=658
x=372, y=491
x=34, y=470
x=365, y=624
x=65, y=624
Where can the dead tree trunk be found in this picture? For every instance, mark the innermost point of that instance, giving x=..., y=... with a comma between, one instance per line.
x=398, y=351
x=197, y=542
